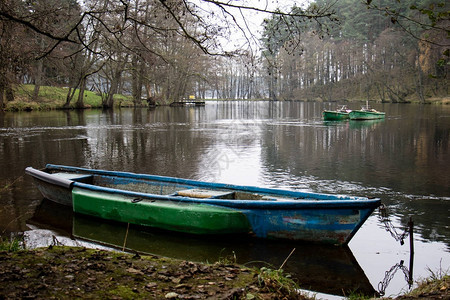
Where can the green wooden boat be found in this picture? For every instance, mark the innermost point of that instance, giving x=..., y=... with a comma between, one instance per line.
x=366, y=113
x=168, y=215
x=336, y=115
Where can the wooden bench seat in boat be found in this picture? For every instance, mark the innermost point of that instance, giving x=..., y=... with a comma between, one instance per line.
x=201, y=193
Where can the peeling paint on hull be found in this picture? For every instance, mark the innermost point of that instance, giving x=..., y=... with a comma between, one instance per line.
x=336, y=226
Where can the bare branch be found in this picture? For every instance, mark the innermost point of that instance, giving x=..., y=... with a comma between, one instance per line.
x=64, y=38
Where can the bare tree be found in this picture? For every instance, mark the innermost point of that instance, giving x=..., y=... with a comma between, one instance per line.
x=128, y=36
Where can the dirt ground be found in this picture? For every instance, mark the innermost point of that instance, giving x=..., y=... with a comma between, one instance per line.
x=67, y=273
x=74, y=272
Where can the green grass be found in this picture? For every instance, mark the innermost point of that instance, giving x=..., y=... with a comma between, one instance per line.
x=437, y=283
x=55, y=98
x=277, y=281
x=11, y=245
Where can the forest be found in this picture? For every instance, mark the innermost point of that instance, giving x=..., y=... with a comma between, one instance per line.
x=166, y=50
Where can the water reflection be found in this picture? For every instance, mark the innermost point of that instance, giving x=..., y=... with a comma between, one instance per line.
x=403, y=160
x=324, y=269
x=389, y=275
x=360, y=124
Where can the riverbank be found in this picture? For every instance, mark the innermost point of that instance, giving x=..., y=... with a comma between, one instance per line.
x=75, y=272
x=52, y=98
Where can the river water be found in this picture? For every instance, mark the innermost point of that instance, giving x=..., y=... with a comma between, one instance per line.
x=404, y=160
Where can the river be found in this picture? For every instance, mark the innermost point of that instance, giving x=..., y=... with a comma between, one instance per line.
x=404, y=160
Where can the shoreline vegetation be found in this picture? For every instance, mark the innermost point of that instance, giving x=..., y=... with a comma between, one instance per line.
x=66, y=272
x=54, y=98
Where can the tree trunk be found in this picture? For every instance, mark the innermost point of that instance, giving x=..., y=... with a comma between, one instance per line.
x=37, y=87
x=69, y=97
x=2, y=102
x=80, y=100
x=109, y=100
x=38, y=80
x=273, y=83
x=137, y=79
x=420, y=84
x=9, y=93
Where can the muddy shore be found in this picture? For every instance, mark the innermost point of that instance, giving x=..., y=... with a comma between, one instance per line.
x=76, y=272
x=72, y=272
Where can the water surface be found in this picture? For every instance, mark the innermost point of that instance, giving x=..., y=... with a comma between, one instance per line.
x=403, y=160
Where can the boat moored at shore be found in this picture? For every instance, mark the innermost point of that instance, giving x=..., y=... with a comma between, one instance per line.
x=205, y=208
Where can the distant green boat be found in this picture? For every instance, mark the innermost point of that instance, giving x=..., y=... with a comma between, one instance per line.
x=366, y=113
x=336, y=115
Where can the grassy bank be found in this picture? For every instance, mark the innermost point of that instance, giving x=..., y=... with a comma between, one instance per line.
x=437, y=286
x=55, y=98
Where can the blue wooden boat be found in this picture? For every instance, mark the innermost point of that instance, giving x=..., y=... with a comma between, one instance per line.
x=199, y=207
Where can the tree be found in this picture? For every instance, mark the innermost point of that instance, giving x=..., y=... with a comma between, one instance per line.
x=366, y=55
x=208, y=15
x=23, y=49
x=414, y=17
x=137, y=30
x=286, y=31
x=8, y=54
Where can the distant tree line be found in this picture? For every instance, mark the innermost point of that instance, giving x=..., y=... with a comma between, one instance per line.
x=393, y=51
x=165, y=50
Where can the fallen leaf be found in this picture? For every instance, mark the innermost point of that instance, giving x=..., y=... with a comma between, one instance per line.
x=151, y=285
x=176, y=280
x=134, y=271
x=171, y=295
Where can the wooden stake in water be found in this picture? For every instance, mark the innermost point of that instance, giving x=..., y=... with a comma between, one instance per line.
x=282, y=265
x=126, y=235
x=411, y=250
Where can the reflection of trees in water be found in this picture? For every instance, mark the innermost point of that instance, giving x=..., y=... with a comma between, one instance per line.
x=158, y=142
x=34, y=139
x=396, y=159
x=430, y=217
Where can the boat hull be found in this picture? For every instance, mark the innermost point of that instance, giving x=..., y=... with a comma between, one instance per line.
x=167, y=215
x=330, y=226
x=366, y=115
x=204, y=208
x=329, y=115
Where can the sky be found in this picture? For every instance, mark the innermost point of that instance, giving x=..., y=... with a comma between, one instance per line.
x=246, y=27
